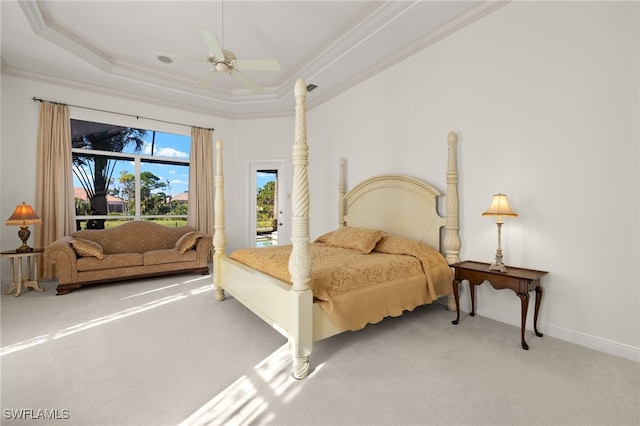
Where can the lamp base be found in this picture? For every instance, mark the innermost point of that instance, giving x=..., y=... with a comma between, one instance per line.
x=24, y=249
x=23, y=234
x=498, y=267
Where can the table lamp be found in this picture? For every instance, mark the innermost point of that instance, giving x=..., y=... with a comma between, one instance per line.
x=22, y=217
x=499, y=207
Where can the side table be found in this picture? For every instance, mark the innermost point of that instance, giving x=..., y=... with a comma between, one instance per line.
x=520, y=280
x=28, y=281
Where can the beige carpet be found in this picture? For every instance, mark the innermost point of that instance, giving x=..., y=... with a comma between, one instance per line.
x=163, y=352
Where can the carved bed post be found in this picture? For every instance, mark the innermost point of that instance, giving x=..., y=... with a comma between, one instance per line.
x=341, y=193
x=219, y=238
x=301, y=315
x=452, y=222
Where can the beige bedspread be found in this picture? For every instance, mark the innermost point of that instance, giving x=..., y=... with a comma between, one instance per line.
x=355, y=289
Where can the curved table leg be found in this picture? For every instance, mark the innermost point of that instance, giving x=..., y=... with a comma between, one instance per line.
x=455, y=284
x=535, y=314
x=472, y=288
x=524, y=299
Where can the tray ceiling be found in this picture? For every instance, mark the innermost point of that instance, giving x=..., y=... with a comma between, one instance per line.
x=108, y=45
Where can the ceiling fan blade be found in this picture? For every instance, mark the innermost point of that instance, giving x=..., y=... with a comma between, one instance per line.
x=246, y=81
x=212, y=43
x=173, y=56
x=258, y=64
x=206, y=79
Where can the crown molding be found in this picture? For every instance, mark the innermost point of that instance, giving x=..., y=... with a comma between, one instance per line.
x=180, y=93
x=48, y=79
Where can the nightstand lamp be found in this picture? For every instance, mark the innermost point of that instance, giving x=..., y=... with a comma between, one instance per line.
x=499, y=207
x=24, y=216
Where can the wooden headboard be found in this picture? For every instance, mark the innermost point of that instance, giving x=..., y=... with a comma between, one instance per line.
x=405, y=206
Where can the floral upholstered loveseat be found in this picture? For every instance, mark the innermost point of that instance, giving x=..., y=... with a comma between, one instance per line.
x=132, y=250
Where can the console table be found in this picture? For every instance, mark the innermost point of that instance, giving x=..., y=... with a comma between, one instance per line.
x=520, y=280
x=29, y=281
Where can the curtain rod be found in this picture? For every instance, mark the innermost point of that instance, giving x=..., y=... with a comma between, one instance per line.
x=137, y=117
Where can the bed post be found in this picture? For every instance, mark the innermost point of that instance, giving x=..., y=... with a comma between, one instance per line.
x=452, y=223
x=341, y=193
x=301, y=315
x=219, y=238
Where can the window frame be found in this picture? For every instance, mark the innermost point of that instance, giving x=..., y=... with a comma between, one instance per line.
x=137, y=160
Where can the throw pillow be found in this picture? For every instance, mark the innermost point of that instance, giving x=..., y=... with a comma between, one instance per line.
x=187, y=241
x=324, y=237
x=87, y=248
x=361, y=239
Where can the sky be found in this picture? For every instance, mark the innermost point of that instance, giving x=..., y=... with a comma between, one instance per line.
x=171, y=146
x=263, y=178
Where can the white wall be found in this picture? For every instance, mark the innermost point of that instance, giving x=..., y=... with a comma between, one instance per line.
x=544, y=97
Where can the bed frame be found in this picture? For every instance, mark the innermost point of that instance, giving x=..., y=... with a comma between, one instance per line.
x=403, y=206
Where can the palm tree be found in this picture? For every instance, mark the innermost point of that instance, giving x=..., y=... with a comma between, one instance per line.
x=95, y=172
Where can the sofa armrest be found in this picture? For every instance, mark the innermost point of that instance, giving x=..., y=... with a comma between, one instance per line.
x=62, y=254
x=204, y=249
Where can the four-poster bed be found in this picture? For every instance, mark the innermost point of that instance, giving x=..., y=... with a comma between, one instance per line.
x=398, y=212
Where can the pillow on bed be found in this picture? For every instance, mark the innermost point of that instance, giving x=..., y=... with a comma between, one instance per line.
x=324, y=237
x=401, y=245
x=361, y=239
x=187, y=241
x=86, y=248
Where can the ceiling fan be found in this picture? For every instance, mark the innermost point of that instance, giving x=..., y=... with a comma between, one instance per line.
x=223, y=61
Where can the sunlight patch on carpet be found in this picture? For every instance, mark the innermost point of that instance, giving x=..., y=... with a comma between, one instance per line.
x=149, y=292
x=103, y=320
x=245, y=400
x=118, y=315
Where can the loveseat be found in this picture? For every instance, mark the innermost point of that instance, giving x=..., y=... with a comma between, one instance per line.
x=132, y=250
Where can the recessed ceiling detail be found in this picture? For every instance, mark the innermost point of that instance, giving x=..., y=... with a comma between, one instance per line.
x=334, y=44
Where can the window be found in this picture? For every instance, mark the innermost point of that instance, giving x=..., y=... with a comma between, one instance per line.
x=122, y=173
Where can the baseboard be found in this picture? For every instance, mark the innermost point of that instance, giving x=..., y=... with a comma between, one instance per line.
x=572, y=336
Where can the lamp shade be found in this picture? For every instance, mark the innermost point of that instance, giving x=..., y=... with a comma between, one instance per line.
x=23, y=215
x=499, y=207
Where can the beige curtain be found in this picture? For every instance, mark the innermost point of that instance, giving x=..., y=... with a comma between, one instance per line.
x=54, y=183
x=201, y=181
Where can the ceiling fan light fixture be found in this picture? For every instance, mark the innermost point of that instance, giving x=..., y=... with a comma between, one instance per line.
x=222, y=67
